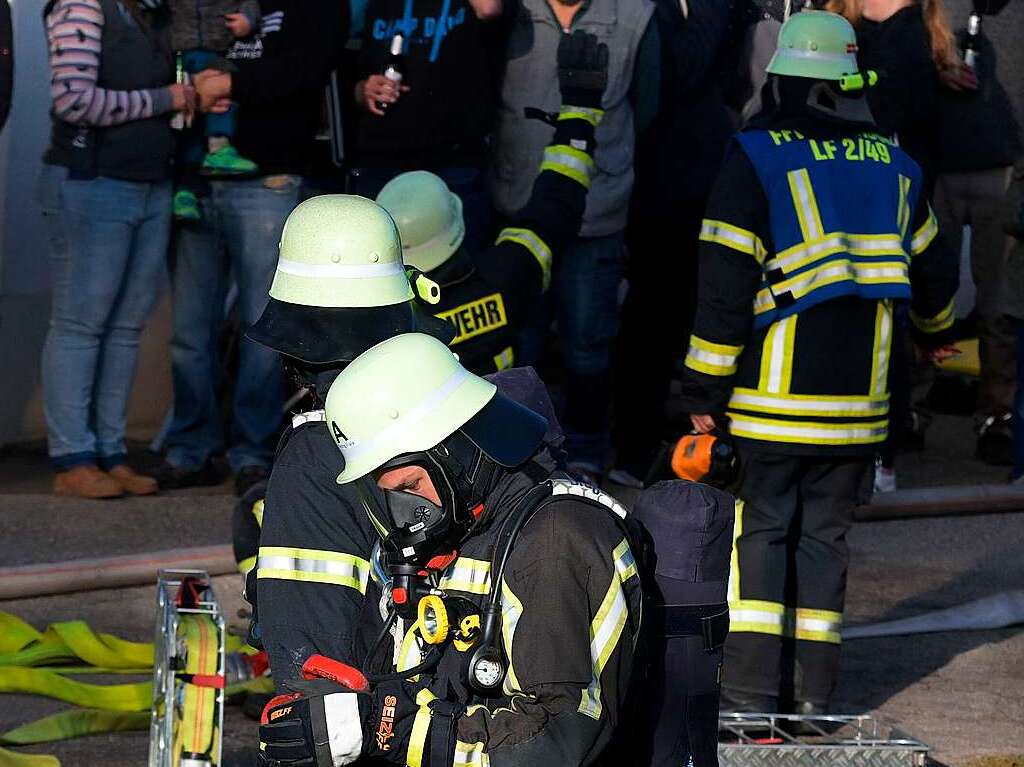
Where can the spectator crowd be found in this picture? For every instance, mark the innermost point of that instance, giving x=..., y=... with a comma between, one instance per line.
x=467, y=90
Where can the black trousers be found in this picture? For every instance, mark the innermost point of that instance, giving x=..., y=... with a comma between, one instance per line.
x=788, y=581
x=655, y=324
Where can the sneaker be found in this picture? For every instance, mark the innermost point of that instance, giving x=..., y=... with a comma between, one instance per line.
x=171, y=477
x=226, y=161
x=86, y=482
x=249, y=476
x=186, y=206
x=885, y=478
x=995, y=440
x=132, y=482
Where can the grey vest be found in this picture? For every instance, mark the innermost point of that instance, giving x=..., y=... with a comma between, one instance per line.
x=132, y=57
x=531, y=81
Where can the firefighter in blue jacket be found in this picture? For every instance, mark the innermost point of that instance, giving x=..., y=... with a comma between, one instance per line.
x=817, y=226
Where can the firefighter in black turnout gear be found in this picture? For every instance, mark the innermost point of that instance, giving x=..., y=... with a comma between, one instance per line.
x=816, y=228
x=340, y=288
x=504, y=602
x=487, y=295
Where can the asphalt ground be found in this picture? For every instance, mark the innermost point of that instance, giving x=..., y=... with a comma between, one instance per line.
x=960, y=692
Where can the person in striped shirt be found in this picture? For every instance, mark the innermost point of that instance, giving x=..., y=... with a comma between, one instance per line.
x=106, y=197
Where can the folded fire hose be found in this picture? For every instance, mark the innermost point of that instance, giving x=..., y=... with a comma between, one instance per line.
x=193, y=663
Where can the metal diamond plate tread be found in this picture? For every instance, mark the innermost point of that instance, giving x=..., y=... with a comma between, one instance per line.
x=742, y=755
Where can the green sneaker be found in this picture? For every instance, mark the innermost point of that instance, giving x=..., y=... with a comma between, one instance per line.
x=186, y=206
x=226, y=161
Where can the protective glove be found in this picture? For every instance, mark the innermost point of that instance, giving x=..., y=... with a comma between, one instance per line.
x=582, y=69
x=333, y=719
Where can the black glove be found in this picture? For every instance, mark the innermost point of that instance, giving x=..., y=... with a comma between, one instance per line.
x=582, y=69
x=327, y=724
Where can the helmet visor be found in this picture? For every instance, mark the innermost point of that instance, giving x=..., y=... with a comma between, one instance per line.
x=506, y=431
x=320, y=335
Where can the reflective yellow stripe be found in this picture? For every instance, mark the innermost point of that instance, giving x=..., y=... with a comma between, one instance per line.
x=511, y=612
x=505, y=358
x=777, y=357
x=606, y=628
x=592, y=116
x=734, y=571
x=834, y=406
x=537, y=247
x=472, y=576
x=470, y=755
x=313, y=566
x=246, y=565
x=805, y=253
x=941, y=321
x=923, y=237
x=806, y=205
x=757, y=617
x=806, y=432
x=711, y=358
x=818, y=625
x=257, y=511
x=840, y=270
x=420, y=728
x=570, y=162
x=880, y=350
x=904, y=214
x=743, y=240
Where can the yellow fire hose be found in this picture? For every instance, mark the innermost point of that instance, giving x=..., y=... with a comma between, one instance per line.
x=39, y=663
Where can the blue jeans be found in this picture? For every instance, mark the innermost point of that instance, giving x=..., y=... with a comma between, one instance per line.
x=108, y=245
x=584, y=299
x=237, y=238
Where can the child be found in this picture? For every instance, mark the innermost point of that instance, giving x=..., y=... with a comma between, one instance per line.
x=201, y=32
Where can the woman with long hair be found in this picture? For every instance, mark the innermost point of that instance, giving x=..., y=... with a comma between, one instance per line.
x=910, y=44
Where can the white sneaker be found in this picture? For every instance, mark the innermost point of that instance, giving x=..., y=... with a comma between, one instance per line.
x=885, y=479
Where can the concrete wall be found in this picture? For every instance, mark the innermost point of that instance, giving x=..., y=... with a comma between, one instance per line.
x=24, y=279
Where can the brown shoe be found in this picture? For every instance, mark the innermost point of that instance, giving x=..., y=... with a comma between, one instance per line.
x=132, y=482
x=86, y=482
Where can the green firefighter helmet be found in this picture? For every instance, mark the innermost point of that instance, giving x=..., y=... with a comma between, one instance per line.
x=341, y=285
x=816, y=44
x=410, y=393
x=428, y=215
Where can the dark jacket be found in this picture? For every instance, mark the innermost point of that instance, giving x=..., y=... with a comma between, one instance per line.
x=280, y=79
x=200, y=23
x=905, y=102
x=813, y=382
x=489, y=295
x=679, y=155
x=978, y=129
x=571, y=616
x=6, y=61
x=134, y=55
x=451, y=64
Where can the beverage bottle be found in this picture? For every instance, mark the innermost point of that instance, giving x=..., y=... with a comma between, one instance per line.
x=393, y=67
x=971, y=44
x=180, y=77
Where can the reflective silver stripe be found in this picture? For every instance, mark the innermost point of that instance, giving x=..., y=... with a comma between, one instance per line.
x=353, y=449
x=472, y=576
x=780, y=351
x=811, y=433
x=713, y=359
x=838, y=242
x=733, y=237
x=312, y=565
x=803, y=284
x=347, y=271
x=923, y=237
x=570, y=162
x=592, y=116
x=470, y=755
x=944, y=319
x=882, y=346
x=312, y=416
x=748, y=399
x=806, y=204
